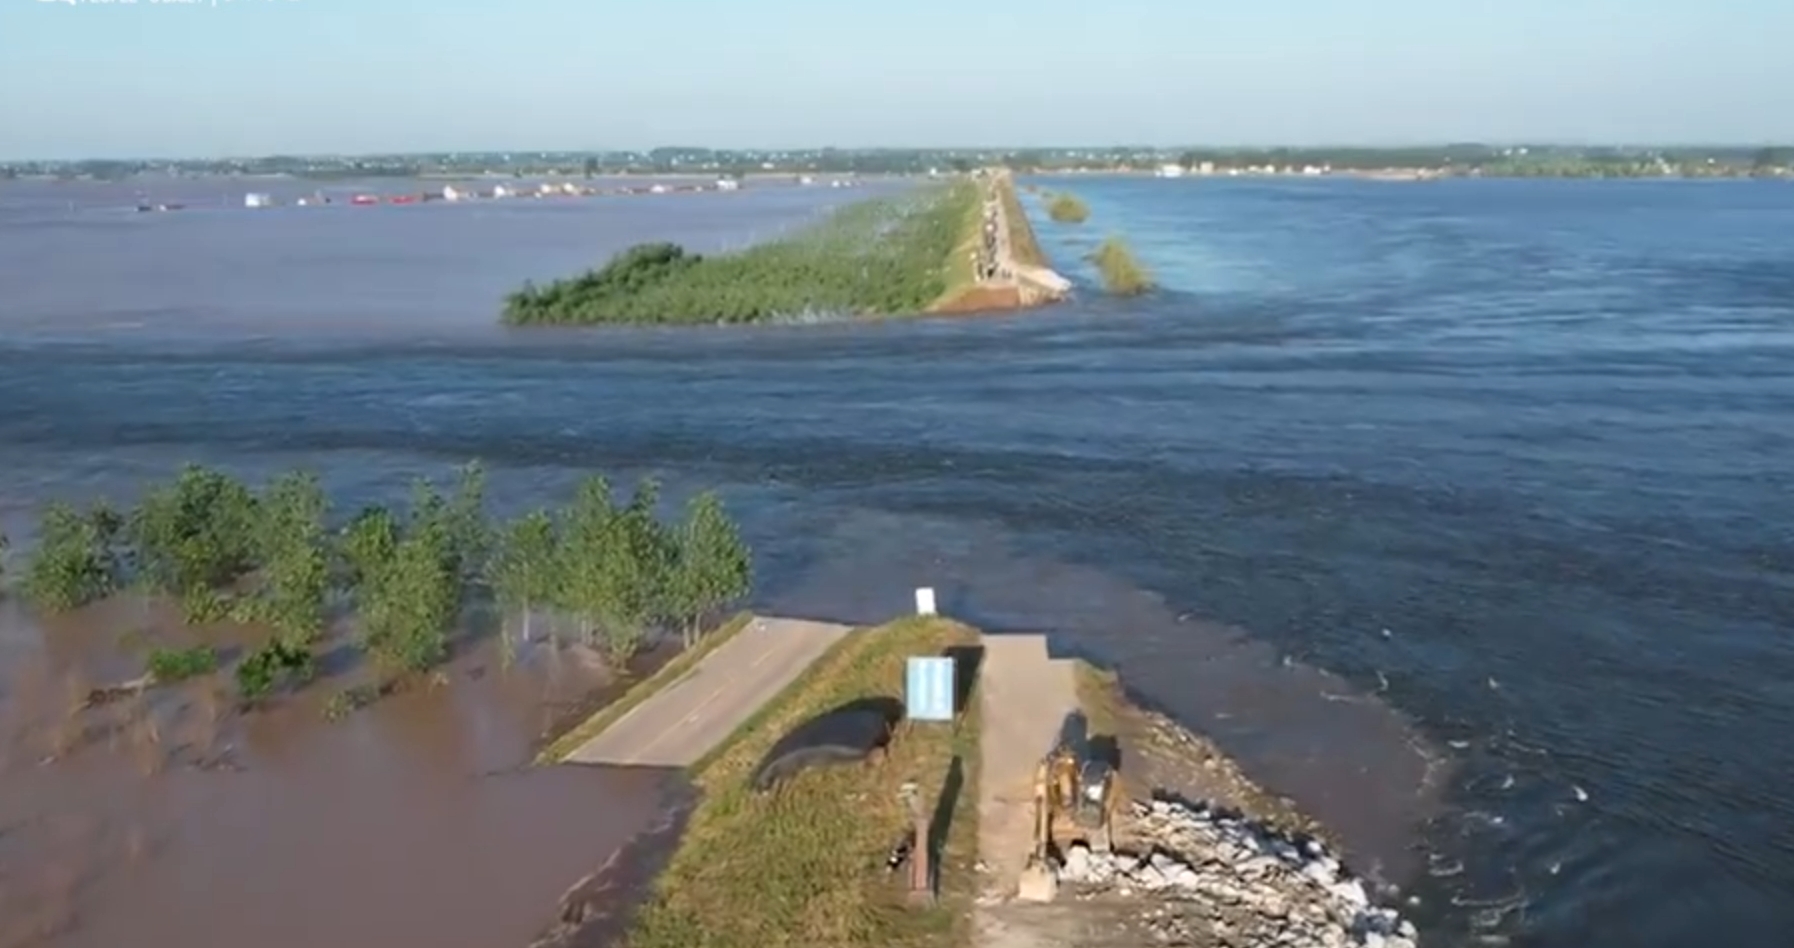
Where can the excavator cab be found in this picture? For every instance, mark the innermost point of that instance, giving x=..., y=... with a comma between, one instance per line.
x=1096, y=784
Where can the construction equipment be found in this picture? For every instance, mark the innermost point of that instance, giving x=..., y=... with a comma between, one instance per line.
x=1076, y=800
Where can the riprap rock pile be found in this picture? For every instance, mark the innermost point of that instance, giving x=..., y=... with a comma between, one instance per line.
x=1235, y=882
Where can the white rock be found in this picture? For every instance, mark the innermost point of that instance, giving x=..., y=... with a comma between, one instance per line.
x=1320, y=872
x=1077, y=866
x=1373, y=940
x=1351, y=892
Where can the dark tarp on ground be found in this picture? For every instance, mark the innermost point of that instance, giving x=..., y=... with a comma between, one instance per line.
x=843, y=735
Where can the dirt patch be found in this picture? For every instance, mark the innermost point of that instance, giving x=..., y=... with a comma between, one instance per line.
x=1158, y=754
x=982, y=299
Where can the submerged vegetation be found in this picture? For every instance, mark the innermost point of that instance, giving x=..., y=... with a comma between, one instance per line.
x=1121, y=273
x=403, y=580
x=1067, y=209
x=874, y=257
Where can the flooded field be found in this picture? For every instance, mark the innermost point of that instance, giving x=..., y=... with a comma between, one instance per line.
x=1433, y=504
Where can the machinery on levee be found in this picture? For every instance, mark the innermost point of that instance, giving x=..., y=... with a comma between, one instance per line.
x=1076, y=800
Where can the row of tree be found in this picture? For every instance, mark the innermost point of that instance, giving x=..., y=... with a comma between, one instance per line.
x=617, y=573
x=872, y=257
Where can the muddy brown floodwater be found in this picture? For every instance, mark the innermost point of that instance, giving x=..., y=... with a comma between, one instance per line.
x=173, y=820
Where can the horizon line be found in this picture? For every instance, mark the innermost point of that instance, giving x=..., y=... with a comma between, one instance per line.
x=944, y=149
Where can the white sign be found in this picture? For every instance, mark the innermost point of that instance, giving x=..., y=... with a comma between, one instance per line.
x=928, y=686
x=924, y=600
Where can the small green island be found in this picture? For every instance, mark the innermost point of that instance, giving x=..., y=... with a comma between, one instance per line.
x=873, y=258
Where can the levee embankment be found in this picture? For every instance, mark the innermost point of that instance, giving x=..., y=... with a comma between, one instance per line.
x=1008, y=269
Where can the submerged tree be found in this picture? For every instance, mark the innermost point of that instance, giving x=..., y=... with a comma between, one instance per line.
x=76, y=561
x=1067, y=209
x=522, y=572
x=464, y=517
x=411, y=597
x=712, y=566
x=1121, y=273
x=614, y=566
x=367, y=542
x=291, y=545
x=586, y=588
x=194, y=538
x=641, y=562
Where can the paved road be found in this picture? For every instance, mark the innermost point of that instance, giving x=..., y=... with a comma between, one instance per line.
x=683, y=721
x=1026, y=700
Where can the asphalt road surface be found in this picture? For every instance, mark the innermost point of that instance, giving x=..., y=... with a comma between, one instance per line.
x=683, y=721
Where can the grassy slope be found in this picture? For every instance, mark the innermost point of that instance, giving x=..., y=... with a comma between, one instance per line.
x=803, y=865
x=960, y=275
x=665, y=675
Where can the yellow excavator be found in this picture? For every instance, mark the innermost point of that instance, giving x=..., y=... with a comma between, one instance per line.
x=1076, y=800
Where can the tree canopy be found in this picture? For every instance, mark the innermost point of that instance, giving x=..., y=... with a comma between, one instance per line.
x=873, y=257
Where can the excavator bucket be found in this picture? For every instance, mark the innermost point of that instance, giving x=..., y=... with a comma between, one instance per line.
x=1038, y=882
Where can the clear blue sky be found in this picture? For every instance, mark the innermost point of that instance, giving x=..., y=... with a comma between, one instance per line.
x=237, y=77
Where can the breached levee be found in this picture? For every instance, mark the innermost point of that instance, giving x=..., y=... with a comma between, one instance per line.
x=1216, y=873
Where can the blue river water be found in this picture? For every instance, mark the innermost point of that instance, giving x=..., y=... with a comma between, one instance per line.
x=1461, y=511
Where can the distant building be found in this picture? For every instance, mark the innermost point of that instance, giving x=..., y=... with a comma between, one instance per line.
x=728, y=184
x=451, y=193
x=1171, y=171
x=257, y=200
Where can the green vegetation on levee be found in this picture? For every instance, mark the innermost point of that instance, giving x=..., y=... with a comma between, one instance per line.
x=402, y=580
x=878, y=257
x=803, y=865
x=1067, y=209
x=1122, y=274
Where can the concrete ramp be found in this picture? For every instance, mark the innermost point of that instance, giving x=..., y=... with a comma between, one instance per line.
x=685, y=720
x=1025, y=700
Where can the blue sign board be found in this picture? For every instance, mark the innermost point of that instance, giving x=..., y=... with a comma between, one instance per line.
x=928, y=688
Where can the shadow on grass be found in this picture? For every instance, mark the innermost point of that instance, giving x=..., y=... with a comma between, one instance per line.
x=940, y=823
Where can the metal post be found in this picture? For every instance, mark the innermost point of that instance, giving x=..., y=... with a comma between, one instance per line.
x=921, y=861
